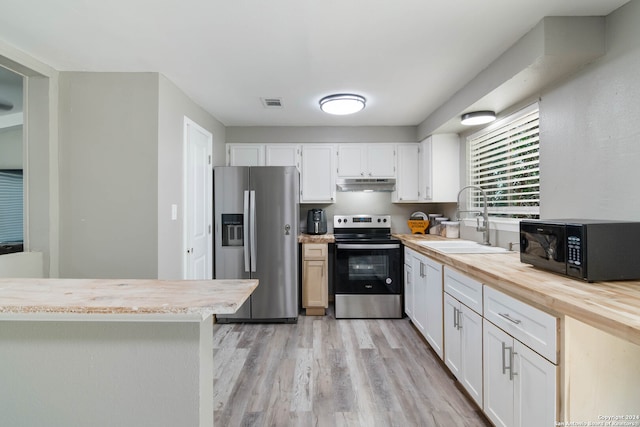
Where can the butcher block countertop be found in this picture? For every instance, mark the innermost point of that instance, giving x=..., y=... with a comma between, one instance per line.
x=316, y=238
x=613, y=307
x=199, y=298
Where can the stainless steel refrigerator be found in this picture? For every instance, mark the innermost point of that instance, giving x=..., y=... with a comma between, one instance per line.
x=256, y=236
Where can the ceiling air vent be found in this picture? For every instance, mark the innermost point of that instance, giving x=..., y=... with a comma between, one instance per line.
x=271, y=102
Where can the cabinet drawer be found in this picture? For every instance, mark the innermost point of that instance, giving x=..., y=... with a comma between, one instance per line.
x=533, y=327
x=463, y=288
x=314, y=250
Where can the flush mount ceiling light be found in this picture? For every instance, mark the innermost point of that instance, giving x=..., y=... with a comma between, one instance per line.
x=477, y=118
x=343, y=103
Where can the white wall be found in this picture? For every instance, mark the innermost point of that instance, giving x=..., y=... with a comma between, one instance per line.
x=590, y=134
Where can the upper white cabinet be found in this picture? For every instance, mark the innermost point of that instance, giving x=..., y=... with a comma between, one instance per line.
x=440, y=169
x=366, y=160
x=283, y=155
x=245, y=154
x=408, y=172
x=318, y=184
x=263, y=155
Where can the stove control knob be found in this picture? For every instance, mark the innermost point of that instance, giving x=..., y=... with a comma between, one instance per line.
x=339, y=220
x=379, y=220
x=384, y=220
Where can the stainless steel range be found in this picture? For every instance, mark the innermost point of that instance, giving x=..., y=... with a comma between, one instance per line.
x=367, y=268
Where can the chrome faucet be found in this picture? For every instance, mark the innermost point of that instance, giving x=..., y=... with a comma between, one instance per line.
x=485, y=215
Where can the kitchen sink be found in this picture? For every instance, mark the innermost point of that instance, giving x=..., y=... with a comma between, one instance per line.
x=463, y=247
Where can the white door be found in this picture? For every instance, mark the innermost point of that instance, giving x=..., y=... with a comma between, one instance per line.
x=198, y=211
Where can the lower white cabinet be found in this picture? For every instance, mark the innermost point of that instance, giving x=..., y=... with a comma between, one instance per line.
x=463, y=345
x=408, y=283
x=424, y=299
x=519, y=384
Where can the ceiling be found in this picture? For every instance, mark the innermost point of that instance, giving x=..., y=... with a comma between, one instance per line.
x=407, y=57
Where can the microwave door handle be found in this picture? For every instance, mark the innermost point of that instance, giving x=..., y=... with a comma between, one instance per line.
x=245, y=231
x=252, y=229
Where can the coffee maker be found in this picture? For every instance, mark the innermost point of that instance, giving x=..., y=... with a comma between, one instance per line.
x=316, y=221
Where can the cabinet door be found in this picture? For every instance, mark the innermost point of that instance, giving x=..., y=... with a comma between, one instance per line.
x=419, y=267
x=535, y=388
x=408, y=290
x=381, y=160
x=452, y=341
x=282, y=155
x=407, y=175
x=471, y=351
x=498, y=385
x=440, y=178
x=245, y=155
x=351, y=160
x=318, y=178
x=433, y=306
x=314, y=283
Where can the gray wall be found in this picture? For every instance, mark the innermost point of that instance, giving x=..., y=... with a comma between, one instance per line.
x=174, y=105
x=108, y=175
x=11, y=148
x=590, y=139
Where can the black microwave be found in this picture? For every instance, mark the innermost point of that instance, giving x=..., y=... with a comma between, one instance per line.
x=592, y=250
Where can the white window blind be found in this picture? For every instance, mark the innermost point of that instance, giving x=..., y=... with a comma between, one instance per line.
x=11, y=211
x=504, y=161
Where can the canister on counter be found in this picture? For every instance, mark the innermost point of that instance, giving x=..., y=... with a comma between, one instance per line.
x=432, y=223
x=439, y=227
x=451, y=229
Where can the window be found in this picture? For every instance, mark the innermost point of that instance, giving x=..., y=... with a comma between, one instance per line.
x=504, y=161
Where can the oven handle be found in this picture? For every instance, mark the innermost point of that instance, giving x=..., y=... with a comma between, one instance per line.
x=367, y=246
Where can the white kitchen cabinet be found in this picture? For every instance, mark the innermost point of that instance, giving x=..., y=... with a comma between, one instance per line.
x=245, y=155
x=425, y=299
x=463, y=345
x=282, y=155
x=519, y=384
x=317, y=180
x=440, y=170
x=463, y=331
x=408, y=172
x=408, y=283
x=366, y=160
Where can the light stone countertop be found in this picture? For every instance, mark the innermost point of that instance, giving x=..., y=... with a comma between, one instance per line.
x=129, y=297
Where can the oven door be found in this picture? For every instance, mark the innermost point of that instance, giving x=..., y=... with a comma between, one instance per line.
x=368, y=268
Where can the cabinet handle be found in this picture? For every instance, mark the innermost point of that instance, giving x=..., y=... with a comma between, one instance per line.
x=504, y=365
x=421, y=269
x=455, y=318
x=510, y=319
x=459, y=319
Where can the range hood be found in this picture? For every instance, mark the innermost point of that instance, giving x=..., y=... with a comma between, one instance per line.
x=366, y=184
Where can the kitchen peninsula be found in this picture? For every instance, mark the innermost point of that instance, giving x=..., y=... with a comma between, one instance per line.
x=111, y=352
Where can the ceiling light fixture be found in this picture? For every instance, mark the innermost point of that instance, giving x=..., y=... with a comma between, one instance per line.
x=477, y=118
x=343, y=103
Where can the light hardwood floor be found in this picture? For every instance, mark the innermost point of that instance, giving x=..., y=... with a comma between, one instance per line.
x=327, y=372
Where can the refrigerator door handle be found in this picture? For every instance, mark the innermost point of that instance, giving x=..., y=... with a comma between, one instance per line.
x=252, y=227
x=245, y=231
